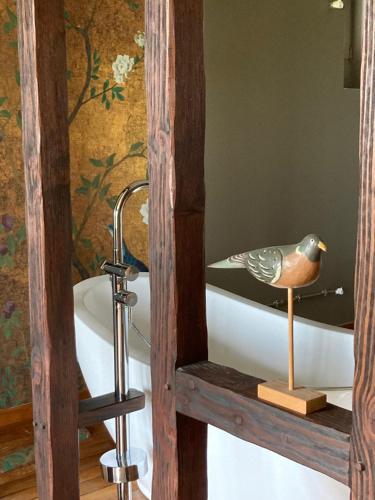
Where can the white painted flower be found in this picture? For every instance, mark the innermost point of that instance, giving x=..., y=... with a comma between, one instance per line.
x=122, y=67
x=337, y=4
x=139, y=39
x=144, y=212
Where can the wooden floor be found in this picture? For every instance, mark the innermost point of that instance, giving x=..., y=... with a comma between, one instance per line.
x=19, y=484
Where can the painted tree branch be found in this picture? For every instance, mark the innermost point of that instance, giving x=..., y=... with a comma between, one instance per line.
x=95, y=195
x=85, y=32
x=86, y=37
x=98, y=94
x=83, y=272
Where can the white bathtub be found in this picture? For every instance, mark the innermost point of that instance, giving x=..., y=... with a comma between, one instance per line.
x=244, y=335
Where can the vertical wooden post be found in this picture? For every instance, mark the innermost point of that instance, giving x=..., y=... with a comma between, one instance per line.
x=363, y=434
x=176, y=117
x=48, y=222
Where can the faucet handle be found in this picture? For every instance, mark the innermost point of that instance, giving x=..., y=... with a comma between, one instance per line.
x=129, y=299
x=130, y=273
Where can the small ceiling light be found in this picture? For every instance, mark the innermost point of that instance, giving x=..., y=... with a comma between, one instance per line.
x=337, y=4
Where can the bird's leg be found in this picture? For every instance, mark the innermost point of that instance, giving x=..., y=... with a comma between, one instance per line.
x=291, y=339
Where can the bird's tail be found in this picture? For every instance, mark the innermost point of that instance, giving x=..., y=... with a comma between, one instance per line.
x=234, y=262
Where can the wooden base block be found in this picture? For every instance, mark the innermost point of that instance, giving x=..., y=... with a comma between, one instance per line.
x=300, y=400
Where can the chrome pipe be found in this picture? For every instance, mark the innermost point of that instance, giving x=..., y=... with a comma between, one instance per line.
x=300, y=297
x=121, y=323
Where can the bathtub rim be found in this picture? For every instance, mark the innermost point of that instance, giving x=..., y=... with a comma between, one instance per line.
x=84, y=317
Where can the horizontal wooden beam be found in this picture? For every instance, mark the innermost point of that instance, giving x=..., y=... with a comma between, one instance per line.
x=227, y=399
x=100, y=408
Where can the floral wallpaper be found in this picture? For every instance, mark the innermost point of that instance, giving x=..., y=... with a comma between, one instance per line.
x=107, y=120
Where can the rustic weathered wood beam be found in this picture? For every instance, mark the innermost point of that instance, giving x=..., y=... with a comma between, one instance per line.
x=48, y=222
x=363, y=437
x=176, y=118
x=227, y=399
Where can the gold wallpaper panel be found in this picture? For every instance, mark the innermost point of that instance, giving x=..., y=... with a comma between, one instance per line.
x=107, y=119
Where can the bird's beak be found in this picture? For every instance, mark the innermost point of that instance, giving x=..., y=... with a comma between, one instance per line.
x=322, y=246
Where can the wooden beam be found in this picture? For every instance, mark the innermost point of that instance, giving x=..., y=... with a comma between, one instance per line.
x=48, y=222
x=100, y=408
x=363, y=437
x=176, y=119
x=227, y=399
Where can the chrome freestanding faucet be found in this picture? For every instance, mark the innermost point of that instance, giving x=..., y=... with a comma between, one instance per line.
x=124, y=464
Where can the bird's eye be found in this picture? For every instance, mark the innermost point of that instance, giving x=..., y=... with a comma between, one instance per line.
x=312, y=241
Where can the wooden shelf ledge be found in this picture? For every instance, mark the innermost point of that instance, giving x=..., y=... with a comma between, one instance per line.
x=100, y=408
x=227, y=399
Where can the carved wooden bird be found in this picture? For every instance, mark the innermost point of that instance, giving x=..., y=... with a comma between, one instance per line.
x=287, y=266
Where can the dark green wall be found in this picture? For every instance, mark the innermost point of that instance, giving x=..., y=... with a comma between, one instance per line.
x=282, y=141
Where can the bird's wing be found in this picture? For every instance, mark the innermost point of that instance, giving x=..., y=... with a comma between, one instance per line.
x=265, y=264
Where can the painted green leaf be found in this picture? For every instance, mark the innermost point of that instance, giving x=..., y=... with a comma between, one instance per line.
x=107, y=105
x=6, y=261
x=16, y=319
x=117, y=93
x=134, y=6
x=7, y=27
x=104, y=191
x=86, y=243
x=13, y=44
x=92, y=91
x=96, y=57
x=82, y=190
x=112, y=201
x=2, y=100
x=7, y=329
x=69, y=74
x=104, y=98
x=96, y=163
x=12, y=23
x=110, y=160
x=12, y=16
x=18, y=77
x=136, y=147
x=17, y=352
x=95, y=77
x=95, y=182
x=11, y=243
x=99, y=258
x=21, y=234
x=74, y=228
x=105, y=85
x=86, y=182
x=19, y=119
x=5, y=113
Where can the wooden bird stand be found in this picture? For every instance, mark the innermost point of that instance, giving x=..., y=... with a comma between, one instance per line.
x=285, y=394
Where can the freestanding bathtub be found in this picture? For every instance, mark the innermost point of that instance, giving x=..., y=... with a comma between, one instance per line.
x=244, y=335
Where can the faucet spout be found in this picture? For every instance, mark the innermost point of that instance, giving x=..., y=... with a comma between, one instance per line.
x=123, y=198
